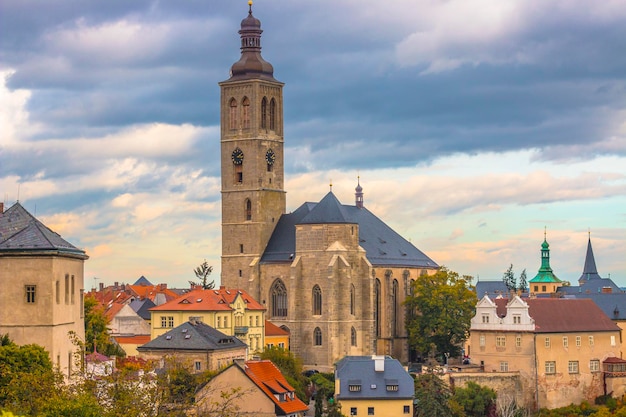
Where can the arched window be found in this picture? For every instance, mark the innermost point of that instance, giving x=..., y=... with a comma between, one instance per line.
x=272, y=114
x=278, y=296
x=232, y=115
x=317, y=337
x=353, y=337
x=245, y=114
x=248, y=209
x=264, y=113
x=405, y=278
x=352, y=298
x=377, y=306
x=317, y=301
x=394, y=307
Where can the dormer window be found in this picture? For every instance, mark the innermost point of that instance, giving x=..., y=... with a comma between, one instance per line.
x=354, y=388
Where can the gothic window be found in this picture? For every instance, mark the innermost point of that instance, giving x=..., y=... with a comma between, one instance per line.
x=317, y=301
x=394, y=306
x=377, y=307
x=264, y=113
x=232, y=115
x=278, y=296
x=352, y=298
x=272, y=114
x=317, y=337
x=245, y=115
x=248, y=209
x=405, y=278
x=353, y=337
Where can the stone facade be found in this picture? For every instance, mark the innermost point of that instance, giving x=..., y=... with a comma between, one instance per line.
x=359, y=306
x=41, y=287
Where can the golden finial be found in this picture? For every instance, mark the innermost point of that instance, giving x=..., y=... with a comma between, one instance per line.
x=331, y=184
x=250, y=5
x=589, y=231
x=545, y=232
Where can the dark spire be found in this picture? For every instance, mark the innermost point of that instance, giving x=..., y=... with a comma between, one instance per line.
x=589, y=270
x=251, y=64
x=358, y=193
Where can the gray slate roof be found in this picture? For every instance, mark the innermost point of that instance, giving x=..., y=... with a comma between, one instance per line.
x=593, y=286
x=20, y=231
x=193, y=336
x=491, y=288
x=142, y=308
x=383, y=246
x=143, y=281
x=613, y=305
x=359, y=370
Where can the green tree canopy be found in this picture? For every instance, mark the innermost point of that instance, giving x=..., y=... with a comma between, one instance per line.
x=96, y=330
x=476, y=400
x=443, y=305
x=202, y=272
x=432, y=396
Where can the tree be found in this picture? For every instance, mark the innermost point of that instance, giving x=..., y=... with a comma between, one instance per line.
x=476, y=401
x=509, y=279
x=523, y=281
x=432, y=396
x=444, y=306
x=97, y=331
x=291, y=368
x=202, y=273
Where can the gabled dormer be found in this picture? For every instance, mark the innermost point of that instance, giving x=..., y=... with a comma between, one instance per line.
x=486, y=317
x=517, y=317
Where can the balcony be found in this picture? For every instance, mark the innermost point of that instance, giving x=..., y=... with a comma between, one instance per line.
x=241, y=330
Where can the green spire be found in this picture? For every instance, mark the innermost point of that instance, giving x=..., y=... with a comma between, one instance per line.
x=545, y=273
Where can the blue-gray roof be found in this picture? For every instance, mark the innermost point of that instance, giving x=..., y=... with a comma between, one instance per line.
x=359, y=370
x=491, y=288
x=143, y=281
x=142, y=308
x=193, y=336
x=20, y=231
x=383, y=246
x=593, y=286
x=613, y=305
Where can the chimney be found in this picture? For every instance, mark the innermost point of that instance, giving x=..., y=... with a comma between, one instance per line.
x=101, y=286
x=379, y=363
x=1, y=209
x=163, y=287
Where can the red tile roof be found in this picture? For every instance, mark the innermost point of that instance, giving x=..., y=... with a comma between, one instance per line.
x=271, y=381
x=113, y=309
x=273, y=330
x=132, y=340
x=563, y=315
x=209, y=300
x=150, y=291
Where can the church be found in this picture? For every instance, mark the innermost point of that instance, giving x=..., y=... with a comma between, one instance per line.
x=334, y=275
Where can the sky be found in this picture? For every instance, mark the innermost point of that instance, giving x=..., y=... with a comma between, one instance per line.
x=474, y=125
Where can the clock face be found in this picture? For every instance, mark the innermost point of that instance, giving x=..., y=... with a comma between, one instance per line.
x=270, y=157
x=237, y=156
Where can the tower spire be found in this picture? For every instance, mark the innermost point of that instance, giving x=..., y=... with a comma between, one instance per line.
x=358, y=195
x=589, y=270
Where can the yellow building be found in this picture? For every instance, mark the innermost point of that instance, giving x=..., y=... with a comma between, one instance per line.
x=231, y=311
x=373, y=386
x=276, y=336
x=41, y=286
x=557, y=346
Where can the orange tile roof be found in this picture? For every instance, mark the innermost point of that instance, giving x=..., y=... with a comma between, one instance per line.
x=113, y=310
x=273, y=330
x=132, y=340
x=270, y=380
x=150, y=291
x=208, y=300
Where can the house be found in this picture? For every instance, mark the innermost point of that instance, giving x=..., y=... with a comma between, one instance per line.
x=196, y=345
x=41, y=286
x=231, y=311
x=123, y=320
x=251, y=388
x=374, y=386
x=558, y=346
x=129, y=344
x=276, y=336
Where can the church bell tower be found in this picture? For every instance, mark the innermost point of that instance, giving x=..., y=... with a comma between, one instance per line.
x=253, y=196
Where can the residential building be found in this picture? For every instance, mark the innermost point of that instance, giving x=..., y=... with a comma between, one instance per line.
x=41, y=286
x=373, y=386
x=129, y=344
x=558, y=346
x=276, y=336
x=196, y=345
x=333, y=275
x=263, y=391
x=231, y=311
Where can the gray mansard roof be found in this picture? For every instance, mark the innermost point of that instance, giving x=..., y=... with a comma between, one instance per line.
x=360, y=371
x=383, y=246
x=21, y=232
